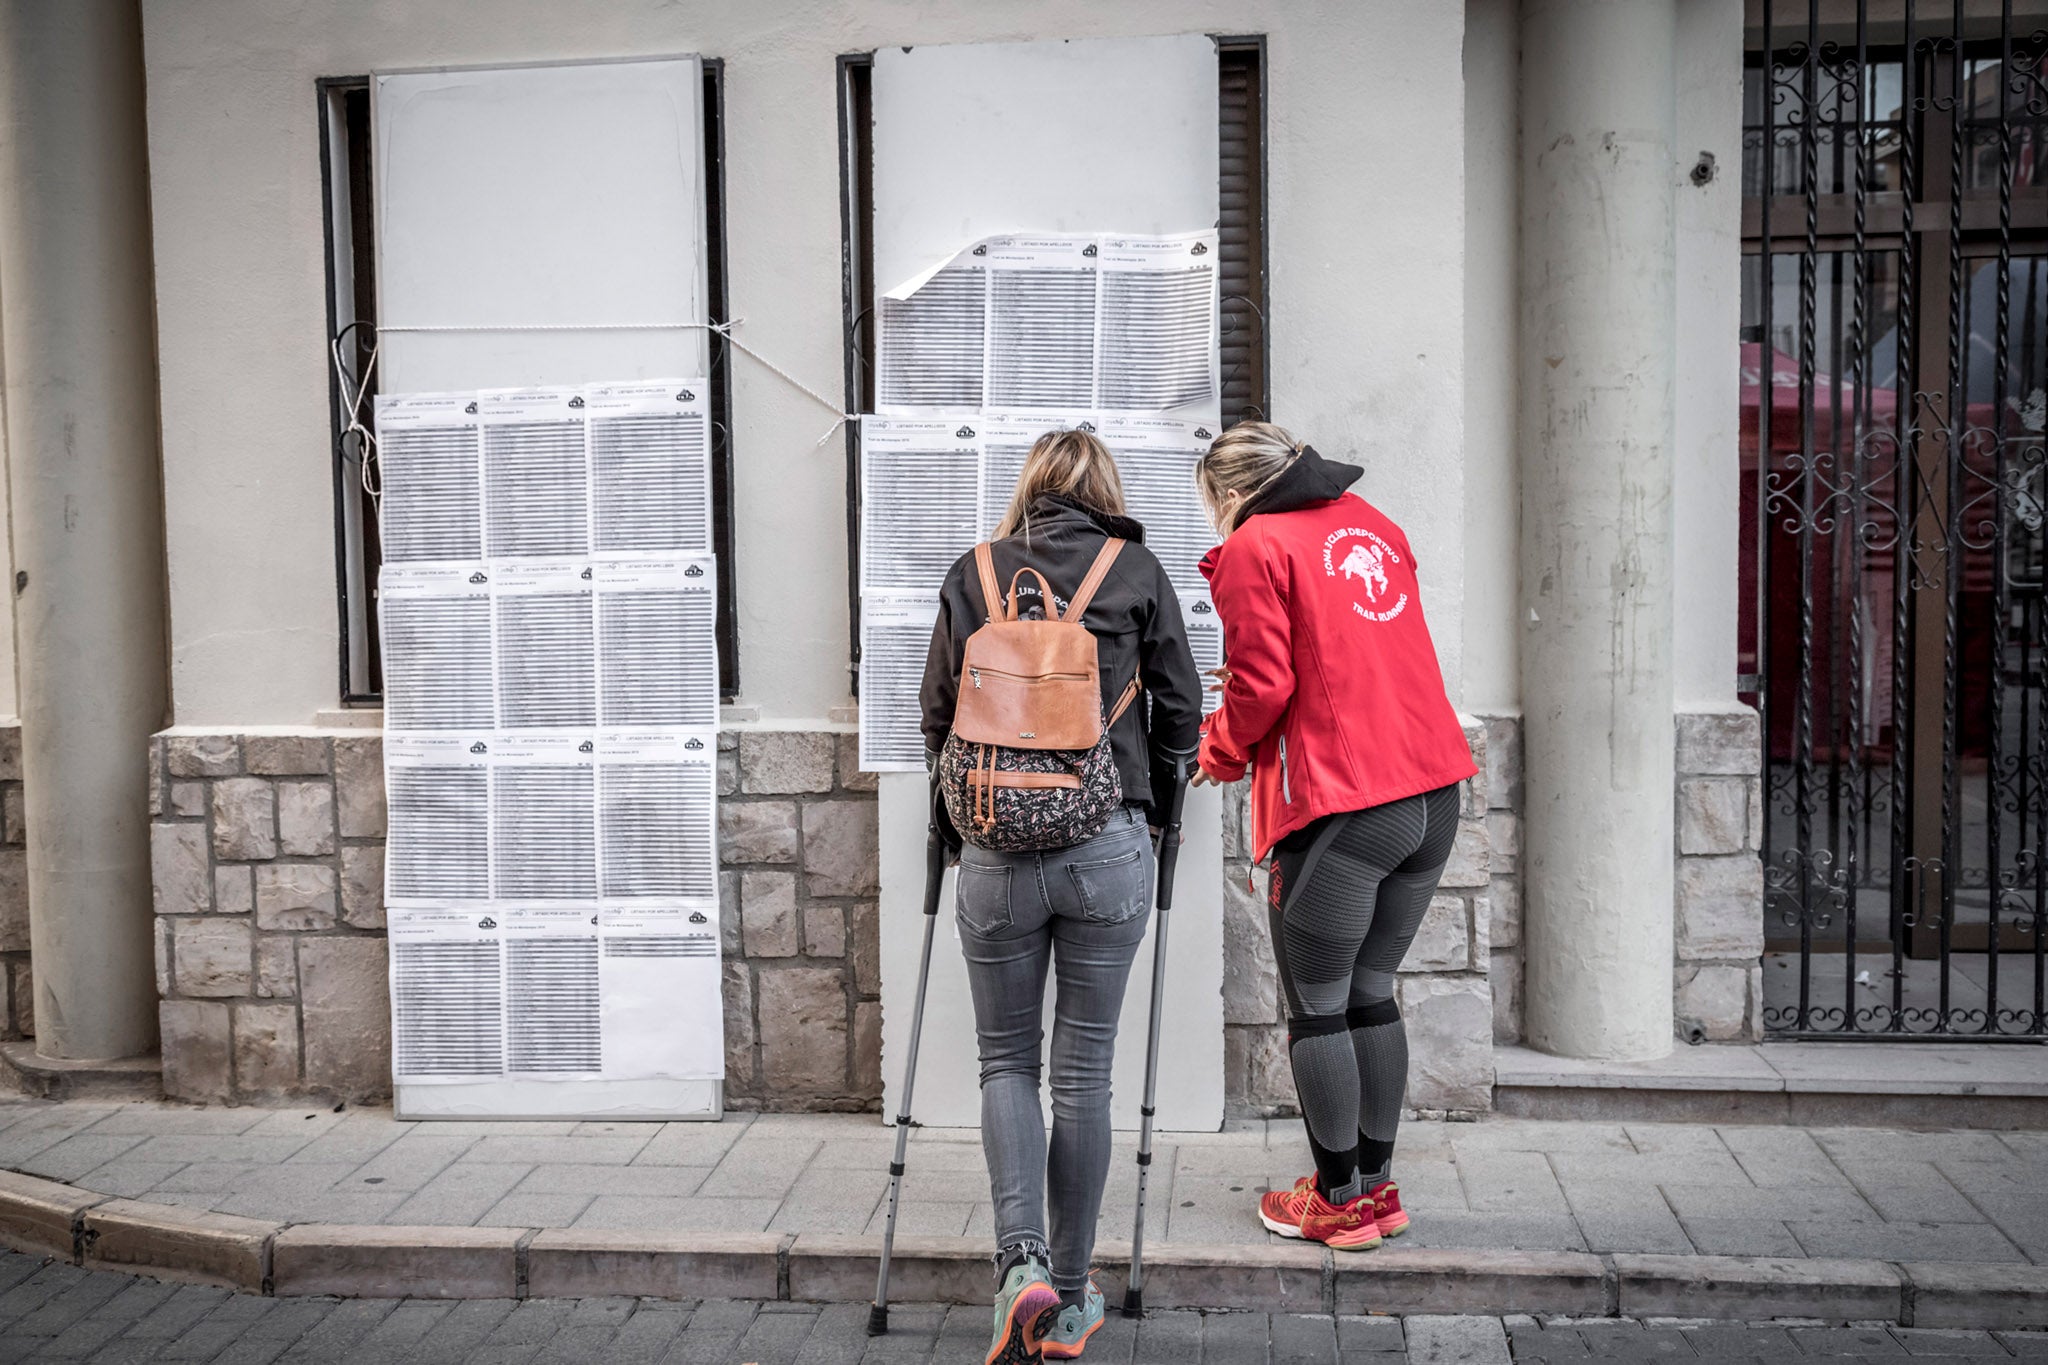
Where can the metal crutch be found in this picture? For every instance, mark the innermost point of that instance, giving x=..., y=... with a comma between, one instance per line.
x=1169, y=854
x=934, y=879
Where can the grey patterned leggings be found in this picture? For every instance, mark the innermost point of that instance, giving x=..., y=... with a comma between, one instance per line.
x=1347, y=894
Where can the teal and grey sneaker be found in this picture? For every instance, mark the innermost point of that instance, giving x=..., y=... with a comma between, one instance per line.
x=1027, y=1293
x=1063, y=1334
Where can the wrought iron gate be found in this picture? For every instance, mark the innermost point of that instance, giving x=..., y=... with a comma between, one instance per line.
x=1895, y=557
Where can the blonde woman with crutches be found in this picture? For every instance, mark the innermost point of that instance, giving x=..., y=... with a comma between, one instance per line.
x=1086, y=660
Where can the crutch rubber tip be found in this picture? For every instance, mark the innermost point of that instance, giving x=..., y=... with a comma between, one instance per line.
x=878, y=1320
x=1134, y=1303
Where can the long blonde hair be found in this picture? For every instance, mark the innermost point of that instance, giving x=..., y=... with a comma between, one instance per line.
x=1242, y=461
x=1071, y=463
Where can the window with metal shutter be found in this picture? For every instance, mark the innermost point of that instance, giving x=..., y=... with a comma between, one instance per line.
x=1241, y=225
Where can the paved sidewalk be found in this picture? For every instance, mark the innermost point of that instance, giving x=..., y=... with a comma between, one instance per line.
x=1501, y=1184
x=56, y=1312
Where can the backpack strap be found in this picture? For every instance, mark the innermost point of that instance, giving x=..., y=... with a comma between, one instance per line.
x=1097, y=571
x=991, y=595
x=1130, y=694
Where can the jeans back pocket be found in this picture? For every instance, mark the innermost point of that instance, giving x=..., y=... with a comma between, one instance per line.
x=1114, y=888
x=983, y=900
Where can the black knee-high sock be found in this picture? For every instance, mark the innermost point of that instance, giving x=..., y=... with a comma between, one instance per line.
x=1380, y=1044
x=1326, y=1082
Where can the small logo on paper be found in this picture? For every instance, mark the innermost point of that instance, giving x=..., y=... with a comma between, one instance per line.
x=486, y=923
x=965, y=433
x=693, y=743
x=1199, y=249
x=694, y=571
x=982, y=249
x=585, y=575
x=684, y=396
x=479, y=748
x=1084, y=426
x=471, y=409
x=479, y=577
x=1201, y=607
x=1202, y=434
x=585, y=747
x=1088, y=250
x=577, y=401
x=699, y=917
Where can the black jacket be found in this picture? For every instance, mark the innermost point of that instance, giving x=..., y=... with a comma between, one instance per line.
x=1135, y=618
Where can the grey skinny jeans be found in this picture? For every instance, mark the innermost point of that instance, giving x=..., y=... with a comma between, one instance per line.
x=1080, y=911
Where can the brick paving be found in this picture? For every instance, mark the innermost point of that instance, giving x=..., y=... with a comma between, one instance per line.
x=1968, y=1196
x=52, y=1312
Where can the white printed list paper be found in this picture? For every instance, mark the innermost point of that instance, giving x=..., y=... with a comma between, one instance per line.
x=551, y=706
x=980, y=356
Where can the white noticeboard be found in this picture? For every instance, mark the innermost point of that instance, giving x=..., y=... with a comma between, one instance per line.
x=1039, y=152
x=552, y=686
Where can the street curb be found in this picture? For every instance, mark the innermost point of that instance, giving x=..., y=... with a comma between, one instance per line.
x=397, y=1262
x=1749, y=1288
x=42, y=1215
x=94, y=1230
x=183, y=1244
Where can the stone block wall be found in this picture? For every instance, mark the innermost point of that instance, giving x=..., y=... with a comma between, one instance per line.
x=267, y=863
x=803, y=947
x=17, y=991
x=1717, y=973
x=1718, y=935
x=1504, y=826
x=267, y=854
x=1445, y=992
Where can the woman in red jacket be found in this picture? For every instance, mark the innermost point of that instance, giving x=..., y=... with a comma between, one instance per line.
x=1334, y=699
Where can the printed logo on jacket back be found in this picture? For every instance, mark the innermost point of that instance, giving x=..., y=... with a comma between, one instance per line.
x=1362, y=558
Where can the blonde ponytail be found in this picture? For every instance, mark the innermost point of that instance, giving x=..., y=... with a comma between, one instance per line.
x=1240, y=463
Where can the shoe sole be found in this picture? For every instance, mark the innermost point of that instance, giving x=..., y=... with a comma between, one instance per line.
x=1014, y=1347
x=1386, y=1231
x=1284, y=1229
x=1355, y=1246
x=1060, y=1350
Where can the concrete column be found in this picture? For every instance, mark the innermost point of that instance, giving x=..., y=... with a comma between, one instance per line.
x=1597, y=362
x=78, y=332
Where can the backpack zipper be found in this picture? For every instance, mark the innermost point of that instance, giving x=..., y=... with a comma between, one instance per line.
x=975, y=674
x=1286, y=791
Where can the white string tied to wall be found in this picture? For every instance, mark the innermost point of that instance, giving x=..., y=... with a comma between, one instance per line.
x=353, y=394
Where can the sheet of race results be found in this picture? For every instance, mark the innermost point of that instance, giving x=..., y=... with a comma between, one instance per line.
x=551, y=704
x=1056, y=321
x=935, y=484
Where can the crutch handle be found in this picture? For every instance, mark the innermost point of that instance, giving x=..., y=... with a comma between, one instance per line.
x=934, y=869
x=1169, y=835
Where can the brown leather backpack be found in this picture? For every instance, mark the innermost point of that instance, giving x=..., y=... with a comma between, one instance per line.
x=1028, y=764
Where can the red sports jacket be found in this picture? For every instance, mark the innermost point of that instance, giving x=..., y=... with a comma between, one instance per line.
x=1335, y=699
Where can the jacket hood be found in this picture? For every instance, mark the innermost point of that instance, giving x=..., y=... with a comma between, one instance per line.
x=1050, y=509
x=1311, y=479
x=1309, y=482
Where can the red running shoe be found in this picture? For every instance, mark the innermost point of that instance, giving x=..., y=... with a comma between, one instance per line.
x=1280, y=1210
x=1387, y=1211
x=1340, y=1227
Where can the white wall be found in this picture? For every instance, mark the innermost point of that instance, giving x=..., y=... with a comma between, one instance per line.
x=1367, y=245
x=1492, y=269
x=9, y=702
x=1706, y=486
